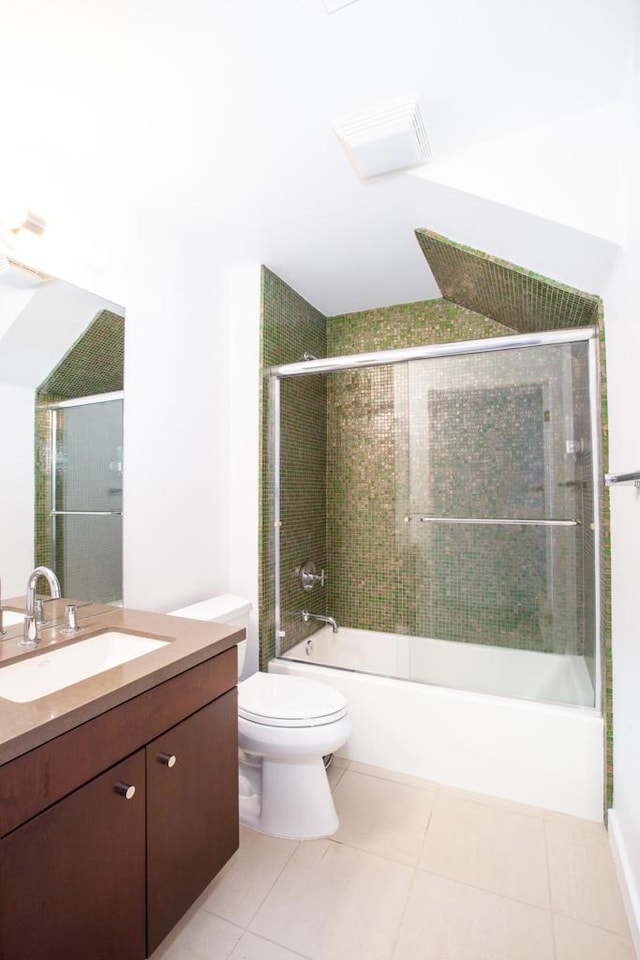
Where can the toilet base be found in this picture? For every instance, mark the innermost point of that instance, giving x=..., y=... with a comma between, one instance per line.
x=291, y=799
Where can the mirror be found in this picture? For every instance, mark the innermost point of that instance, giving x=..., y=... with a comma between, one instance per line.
x=61, y=486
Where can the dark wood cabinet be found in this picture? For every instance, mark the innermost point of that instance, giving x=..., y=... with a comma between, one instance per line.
x=72, y=880
x=86, y=871
x=192, y=816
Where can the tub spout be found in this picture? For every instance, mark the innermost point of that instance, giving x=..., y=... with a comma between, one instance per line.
x=306, y=616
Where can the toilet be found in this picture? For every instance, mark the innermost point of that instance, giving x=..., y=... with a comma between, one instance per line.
x=286, y=725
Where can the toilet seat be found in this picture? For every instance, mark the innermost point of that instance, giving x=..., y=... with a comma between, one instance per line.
x=275, y=700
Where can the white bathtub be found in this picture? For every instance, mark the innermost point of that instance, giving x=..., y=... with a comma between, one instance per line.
x=448, y=728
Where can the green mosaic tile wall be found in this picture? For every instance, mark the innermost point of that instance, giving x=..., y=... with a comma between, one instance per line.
x=93, y=365
x=290, y=327
x=372, y=584
x=522, y=300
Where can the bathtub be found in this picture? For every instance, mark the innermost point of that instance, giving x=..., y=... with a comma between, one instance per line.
x=447, y=725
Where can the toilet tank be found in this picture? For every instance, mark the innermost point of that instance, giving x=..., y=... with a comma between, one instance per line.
x=226, y=608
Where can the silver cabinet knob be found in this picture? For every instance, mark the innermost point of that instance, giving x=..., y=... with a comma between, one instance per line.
x=126, y=790
x=169, y=759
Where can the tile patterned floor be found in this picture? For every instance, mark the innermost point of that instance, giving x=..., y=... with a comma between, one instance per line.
x=416, y=871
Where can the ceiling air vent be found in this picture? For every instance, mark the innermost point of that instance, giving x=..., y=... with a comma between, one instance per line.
x=390, y=136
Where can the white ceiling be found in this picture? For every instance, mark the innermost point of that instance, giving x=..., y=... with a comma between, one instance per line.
x=220, y=113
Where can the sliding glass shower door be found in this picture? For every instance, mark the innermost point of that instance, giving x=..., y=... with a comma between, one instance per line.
x=499, y=521
x=460, y=516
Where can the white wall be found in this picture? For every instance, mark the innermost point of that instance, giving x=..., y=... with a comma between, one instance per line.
x=566, y=170
x=176, y=539
x=623, y=364
x=244, y=445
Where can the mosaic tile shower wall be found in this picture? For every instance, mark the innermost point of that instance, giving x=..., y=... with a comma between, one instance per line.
x=93, y=365
x=290, y=327
x=370, y=585
x=451, y=437
x=522, y=300
x=487, y=440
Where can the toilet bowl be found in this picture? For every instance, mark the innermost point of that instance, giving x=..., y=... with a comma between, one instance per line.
x=286, y=725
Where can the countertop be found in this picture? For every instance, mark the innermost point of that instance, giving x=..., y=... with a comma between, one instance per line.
x=24, y=726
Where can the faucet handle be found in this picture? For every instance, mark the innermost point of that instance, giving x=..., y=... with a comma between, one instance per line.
x=71, y=618
x=308, y=577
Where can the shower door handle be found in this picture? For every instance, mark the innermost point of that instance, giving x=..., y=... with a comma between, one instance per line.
x=85, y=513
x=498, y=521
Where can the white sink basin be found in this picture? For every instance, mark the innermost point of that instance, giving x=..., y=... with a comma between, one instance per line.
x=53, y=670
x=11, y=617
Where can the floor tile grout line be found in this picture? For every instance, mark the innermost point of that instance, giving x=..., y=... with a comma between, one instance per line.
x=242, y=932
x=492, y=893
x=405, y=908
x=428, y=784
x=592, y=926
x=569, y=916
x=375, y=853
x=275, y=880
x=275, y=943
x=264, y=897
x=548, y=869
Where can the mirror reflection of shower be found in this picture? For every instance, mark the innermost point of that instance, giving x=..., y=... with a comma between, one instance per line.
x=86, y=496
x=79, y=464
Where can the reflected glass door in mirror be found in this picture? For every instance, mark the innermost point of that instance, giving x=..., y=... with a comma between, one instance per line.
x=63, y=348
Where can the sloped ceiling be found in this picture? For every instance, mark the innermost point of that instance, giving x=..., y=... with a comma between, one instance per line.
x=220, y=114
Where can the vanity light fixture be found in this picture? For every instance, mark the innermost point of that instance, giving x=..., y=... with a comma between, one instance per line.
x=18, y=227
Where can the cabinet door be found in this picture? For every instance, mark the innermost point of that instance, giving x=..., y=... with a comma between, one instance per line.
x=72, y=878
x=192, y=811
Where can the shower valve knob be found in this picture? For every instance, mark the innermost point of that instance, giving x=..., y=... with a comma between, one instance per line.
x=308, y=577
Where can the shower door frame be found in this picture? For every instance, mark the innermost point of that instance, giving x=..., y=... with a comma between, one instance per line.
x=432, y=351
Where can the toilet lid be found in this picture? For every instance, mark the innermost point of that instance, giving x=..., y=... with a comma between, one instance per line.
x=276, y=700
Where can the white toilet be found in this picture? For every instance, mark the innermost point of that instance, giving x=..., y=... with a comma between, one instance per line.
x=286, y=725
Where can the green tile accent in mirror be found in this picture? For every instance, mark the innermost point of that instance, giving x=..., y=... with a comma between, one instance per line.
x=94, y=364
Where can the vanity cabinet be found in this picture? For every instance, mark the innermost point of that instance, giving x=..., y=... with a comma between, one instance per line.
x=72, y=878
x=192, y=814
x=90, y=867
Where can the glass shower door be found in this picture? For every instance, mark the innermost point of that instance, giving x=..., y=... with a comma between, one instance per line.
x=86, y=515
x=499, y=511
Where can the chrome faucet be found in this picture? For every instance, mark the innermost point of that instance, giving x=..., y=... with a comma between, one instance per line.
x=31, y=633
x=306, y=616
